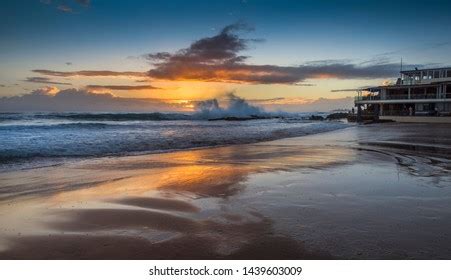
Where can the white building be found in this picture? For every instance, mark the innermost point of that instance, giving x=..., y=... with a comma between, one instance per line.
x=420, y=95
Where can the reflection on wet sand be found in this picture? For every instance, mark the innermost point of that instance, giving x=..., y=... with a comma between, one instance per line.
x=121, y=247
x=159, y=203
x=215, y=172
x=177, y=200
x=420, y=149
x=292, y=198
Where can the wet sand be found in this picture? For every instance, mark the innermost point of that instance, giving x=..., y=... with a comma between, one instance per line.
x=378, y=191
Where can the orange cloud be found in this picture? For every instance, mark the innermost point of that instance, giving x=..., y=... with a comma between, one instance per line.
x=90, y=73
x=44, y=80
x=120, y=87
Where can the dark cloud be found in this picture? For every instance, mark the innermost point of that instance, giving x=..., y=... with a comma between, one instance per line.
x=270, y=74
x=120, y=87
x=43, y=80
x=220, y=49
x=89, y=73
x=2, y=86
x=219, y=59
x=68, y=63
x=73, y=100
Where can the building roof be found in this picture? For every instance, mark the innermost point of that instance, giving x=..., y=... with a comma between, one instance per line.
x=401, y=86
x=424, y=69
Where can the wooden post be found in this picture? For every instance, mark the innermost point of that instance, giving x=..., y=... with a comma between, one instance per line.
x=376, y=111
x=359, y=113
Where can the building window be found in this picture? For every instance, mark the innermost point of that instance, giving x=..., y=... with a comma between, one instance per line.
x=431, y=90
x=425, y=75
x=436, y=74
x=448, y=74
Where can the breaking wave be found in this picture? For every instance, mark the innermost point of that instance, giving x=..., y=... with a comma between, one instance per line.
x=235, y=107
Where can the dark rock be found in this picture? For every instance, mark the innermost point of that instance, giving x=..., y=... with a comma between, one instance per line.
x=316, y=118
x=337, y=116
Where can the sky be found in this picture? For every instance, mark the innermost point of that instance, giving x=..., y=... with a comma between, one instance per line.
x=168, y=55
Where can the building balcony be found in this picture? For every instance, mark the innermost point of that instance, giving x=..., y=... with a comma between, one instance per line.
x=366, y=98
x=390, y=97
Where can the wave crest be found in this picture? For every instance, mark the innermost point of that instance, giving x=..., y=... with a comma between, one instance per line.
x=236, y=107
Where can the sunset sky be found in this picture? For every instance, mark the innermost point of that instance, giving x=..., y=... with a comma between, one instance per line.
x=171, y=54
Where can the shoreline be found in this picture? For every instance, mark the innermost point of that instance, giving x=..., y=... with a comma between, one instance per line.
x=333, y=195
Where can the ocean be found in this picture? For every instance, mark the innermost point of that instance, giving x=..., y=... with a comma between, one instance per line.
x=42, y=138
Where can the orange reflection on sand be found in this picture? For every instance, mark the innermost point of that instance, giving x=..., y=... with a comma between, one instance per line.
x=191, y=171
x=216, y=172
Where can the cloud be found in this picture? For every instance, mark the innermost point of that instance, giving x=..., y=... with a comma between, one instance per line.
x=90, y=73
x=305, y=85
x=44, y=80
x=280, y=100
x=64, y=8
x=47, y=90
x=2, y=85
x=219, y=59
x=220, y=49
x=416, y=47
x=270, y=74
x=304, y=105
x=68, y=63
x=75, y=100
x=396, y=55
x=120, y=87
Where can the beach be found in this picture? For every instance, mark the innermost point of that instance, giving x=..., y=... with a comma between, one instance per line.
x=378, y=191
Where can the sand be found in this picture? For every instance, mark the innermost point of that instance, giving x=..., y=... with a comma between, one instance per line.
x=377, y=191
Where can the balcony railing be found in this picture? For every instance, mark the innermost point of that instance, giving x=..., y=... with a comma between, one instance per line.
x=404, y=96
x=424, y=96
x=397, y=96
x=368, y=97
